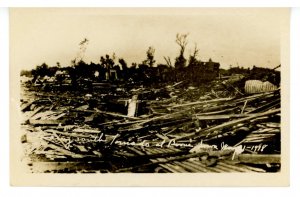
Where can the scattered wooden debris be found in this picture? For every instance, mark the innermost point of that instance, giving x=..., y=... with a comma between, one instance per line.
x=209, y=133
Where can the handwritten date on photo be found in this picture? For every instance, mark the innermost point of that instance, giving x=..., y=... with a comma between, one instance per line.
x=162, y=144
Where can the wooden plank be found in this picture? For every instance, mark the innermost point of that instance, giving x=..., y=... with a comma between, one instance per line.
x=253, y=169
x=222, y=117
x=202, y=102
x=81, y=148
x=228, y=116
x=202, y=166
x=225, y=111
x=199, y=168
x=259, y=158
x=33, y=113
x=267, y=106
x=245, y=104
x=204, y=132
x=46, y=122
x=162, y=161
x=175, y=168
x=135, y=150
x=56, y=117
x=222, y=168
x=185, y=166
x=164, y=150
x=26, y=106
x=132, y=106
x=41, y=167
x=43, y=115
x=155, y=151
x=69, y=134
x=161, y=151
x=64, y=151
x=232, y=167
x=163, y=137
x=92, y=131
x=172, y=149
x=149, y=151
x=165, y=166
x=108, y=113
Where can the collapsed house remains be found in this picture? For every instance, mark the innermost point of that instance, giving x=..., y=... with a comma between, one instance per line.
x=174, y=127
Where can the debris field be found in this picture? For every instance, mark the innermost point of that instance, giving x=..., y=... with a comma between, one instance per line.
x=173, y=127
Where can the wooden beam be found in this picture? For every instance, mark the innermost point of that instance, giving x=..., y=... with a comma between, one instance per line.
x=259, y=158
x=204, y=132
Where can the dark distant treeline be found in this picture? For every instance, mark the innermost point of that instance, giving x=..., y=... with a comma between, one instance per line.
x=111, y=69
x=108, y=70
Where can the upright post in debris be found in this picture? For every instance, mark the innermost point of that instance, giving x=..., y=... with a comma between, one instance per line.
x=132, y=106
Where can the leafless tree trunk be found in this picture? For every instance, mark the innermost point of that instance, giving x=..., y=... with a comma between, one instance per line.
x=168, y=61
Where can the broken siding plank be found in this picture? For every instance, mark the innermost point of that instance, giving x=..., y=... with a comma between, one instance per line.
x=42, y=167
x=196, y=166
x=80, y=130
x=222, y=168
x=155, y=151
x=253, y=169
x=174, y=149
x=56, y=117
x=135, y=150
x=205, y=132
x=64, y=151
x=200, y=165
x=81, y=148
x=244, y=167
x=202, y=102
x=33, y=113
x=149, y=151
x=185, y=166
x=165, y=150
x=42, y=115
x=231, y=166
x=165, y=166
x=162, y=161
x=74, y=135
x=26, y=106
x=174, y=168
x=259, y=158
x=46, y=122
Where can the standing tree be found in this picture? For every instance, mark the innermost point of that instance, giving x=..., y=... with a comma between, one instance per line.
x=107, y=62
x=150, y=57
x=193, y=58
x=181, y=40
x=40, y=71
x=123, y=64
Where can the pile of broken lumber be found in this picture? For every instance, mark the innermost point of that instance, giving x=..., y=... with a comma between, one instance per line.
x=233, y=134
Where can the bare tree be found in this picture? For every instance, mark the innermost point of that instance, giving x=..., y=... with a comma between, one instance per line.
x=168, y=61
x=196, y=51
x=82, y=48
x=181, y=40
x=193, y=57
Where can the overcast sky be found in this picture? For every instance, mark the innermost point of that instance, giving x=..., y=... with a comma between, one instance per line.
x=243, y=37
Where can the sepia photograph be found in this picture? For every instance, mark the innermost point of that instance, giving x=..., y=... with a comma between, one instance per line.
x=149, y=96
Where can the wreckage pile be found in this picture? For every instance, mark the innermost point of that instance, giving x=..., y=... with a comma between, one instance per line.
x=176, y=128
